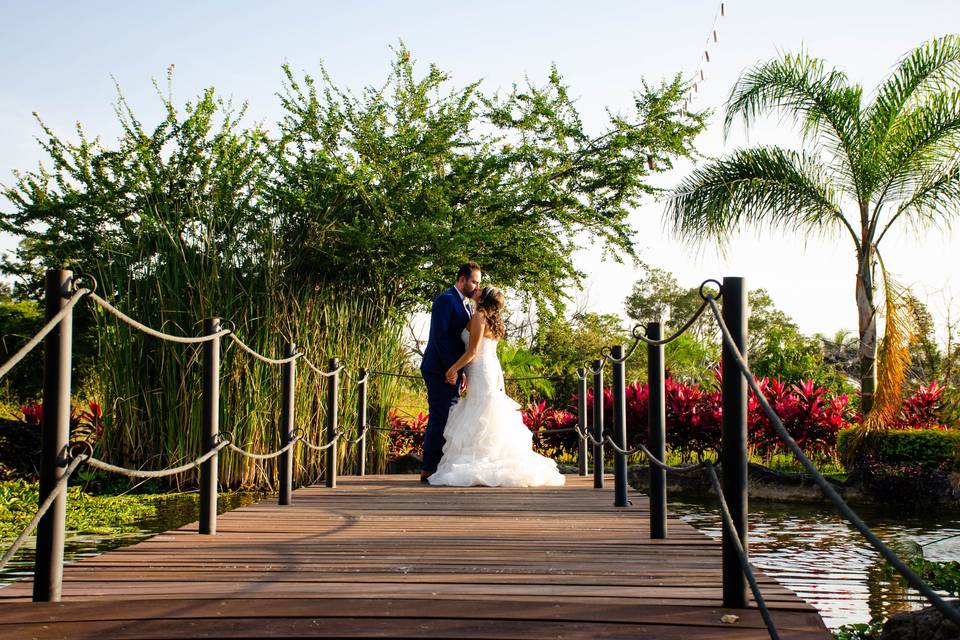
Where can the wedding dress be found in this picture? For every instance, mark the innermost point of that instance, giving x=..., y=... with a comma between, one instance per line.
x=486, y=440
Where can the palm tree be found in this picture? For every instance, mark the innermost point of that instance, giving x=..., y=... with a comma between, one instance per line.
x=868, y=165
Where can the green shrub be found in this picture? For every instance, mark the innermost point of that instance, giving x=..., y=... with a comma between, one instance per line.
x=924, y=447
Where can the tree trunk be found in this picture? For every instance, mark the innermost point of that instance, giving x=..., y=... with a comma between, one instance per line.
x=867, y=316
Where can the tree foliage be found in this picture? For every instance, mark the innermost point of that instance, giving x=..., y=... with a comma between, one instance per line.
x=777, y=348
x=385, y=192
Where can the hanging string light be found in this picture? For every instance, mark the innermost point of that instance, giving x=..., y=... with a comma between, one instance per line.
x=700, y=73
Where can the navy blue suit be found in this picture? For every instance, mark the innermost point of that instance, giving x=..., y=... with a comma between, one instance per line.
x=448, y=319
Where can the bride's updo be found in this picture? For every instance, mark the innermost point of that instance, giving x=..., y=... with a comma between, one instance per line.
x=490, y=303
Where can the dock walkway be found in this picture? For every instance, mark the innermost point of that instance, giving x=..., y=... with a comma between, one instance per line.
x=388, y=556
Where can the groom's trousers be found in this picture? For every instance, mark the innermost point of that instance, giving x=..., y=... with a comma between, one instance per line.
x=440, y=397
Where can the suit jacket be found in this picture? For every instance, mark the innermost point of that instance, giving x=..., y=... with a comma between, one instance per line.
x=448, y=319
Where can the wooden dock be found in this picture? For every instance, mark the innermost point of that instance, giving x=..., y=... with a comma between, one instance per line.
x=388, y=556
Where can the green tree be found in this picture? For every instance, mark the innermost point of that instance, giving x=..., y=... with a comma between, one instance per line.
x=567, y=343
x=384, y=192
x=869, y=165
x=525, y=372
x=658, y=296
x=926, y=361
x=777, y=348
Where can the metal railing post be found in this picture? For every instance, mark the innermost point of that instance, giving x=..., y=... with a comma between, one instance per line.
x=287, y=420
x=333, y=390
x=48, y=563
x=584, y=452
x=734, y=440
x=598, y=424
x=209, y=470
x=656, y=432
x=362, y=423
x=619, y=427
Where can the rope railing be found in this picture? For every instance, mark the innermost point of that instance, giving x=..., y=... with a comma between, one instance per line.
x=162, y=473
x=323, y=447
x=524, y=378
x=150, y=331
x=264, y=456
x=62, y=297
x=363, y=433
x=58, y=488
x=639, y=332
x=652, y=459
x=389, y=374
x=318, y=370
x=259, y=356
x=825, y=486
x=31, y=344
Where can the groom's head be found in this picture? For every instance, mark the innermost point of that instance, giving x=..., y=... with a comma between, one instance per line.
x=468, y=279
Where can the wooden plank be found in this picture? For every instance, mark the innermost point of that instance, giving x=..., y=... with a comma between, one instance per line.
x=385, y=555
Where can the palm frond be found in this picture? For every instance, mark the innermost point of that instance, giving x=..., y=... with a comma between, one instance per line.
x=934, y=201
x=933, y=67
x=922, y=144
x=821, y=100
x=924, y=73
x=766, y=186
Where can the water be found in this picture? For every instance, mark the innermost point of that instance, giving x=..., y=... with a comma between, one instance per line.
x=174, y=512
x=814, y=552
x=809, y=549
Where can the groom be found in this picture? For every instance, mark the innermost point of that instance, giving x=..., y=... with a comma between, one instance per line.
x=448, y=318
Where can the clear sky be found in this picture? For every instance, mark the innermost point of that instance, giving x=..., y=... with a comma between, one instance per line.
x=59, y=59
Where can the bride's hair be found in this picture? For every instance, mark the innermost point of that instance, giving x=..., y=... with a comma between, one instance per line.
x=490, y=303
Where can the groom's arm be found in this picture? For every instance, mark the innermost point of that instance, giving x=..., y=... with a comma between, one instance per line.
x=440, y=315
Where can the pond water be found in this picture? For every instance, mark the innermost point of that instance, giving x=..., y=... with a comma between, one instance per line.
x=808, y=548
x=176, y=511
x=813, y=551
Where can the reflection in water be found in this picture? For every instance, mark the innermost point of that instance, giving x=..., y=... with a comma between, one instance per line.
x=173, y=513
x=813, y=551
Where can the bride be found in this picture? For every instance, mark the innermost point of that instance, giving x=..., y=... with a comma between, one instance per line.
x=486, y=440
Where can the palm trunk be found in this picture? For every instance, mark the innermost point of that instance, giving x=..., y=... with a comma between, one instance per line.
x=867, y=316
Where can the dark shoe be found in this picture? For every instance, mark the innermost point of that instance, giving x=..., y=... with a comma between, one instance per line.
x=423, y=477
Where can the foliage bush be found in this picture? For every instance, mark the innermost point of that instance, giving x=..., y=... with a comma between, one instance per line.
x=327, y=228
x=20, y=437
x=928, y=448
x=406, y=434
x=942, y=576
x=550, y=427
x=908, y=484
x=810, y=414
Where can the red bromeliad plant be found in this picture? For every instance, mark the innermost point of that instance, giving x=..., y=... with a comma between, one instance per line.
x=694, y=416
x=551, y=426
x=85, y=424
x=693, y=419
x=809, y=414
x=922, y=409
x=406, y=434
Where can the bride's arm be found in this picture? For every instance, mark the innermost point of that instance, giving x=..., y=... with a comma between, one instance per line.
x=476, y=327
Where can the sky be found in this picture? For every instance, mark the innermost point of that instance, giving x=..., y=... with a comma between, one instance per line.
x=62, y=60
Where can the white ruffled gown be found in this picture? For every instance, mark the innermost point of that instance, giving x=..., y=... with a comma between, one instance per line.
x=486, y=440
